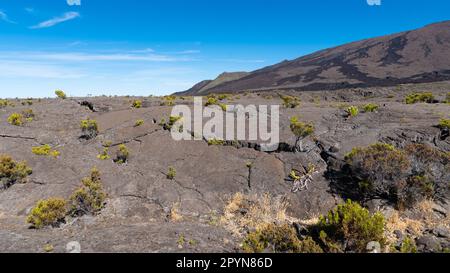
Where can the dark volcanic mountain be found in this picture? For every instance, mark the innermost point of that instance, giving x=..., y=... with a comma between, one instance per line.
x=416, y=56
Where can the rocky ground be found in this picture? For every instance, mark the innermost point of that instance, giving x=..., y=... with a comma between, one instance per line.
x=141, y=203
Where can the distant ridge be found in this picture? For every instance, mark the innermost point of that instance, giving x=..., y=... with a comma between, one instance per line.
x=417, y=56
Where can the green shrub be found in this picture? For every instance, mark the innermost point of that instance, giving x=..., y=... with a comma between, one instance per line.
x=122, y=154
x=60, y=94
x=301, y=130
x=290, y=102
x=444, y=124
x=408, y=246
x=352, y=111
x=16, y=119
x=12, y=172
x=370, y=107
x=139, y=122
x=104, y=155
x=278, y=239
x=419, y=97
x=224, y=96
x=211, y=101
x=378, y=168
x=172, y=120
x=215, y=142
x=350, y=227
x=90, y=198
x=137, y=104
x=89, y=128
x=171, y=173
x=168, y=101
x=48, y=212
x=42, y=150
x=3, y=103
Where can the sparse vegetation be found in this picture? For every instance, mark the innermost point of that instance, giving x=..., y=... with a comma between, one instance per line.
x=350, y=227
x=290, y=101
x=90, y=198
x=60, y=94
x=89, y=128
x=104, y=154
x=279, y=239
x=404, y=176
x=408, y=245
x=444, y=124
x=16, y=119
x=301, y=130
x=139, y=122
x=28, y=114
x=12, y=172
x=352, y=111
x=261, y=210
x=45, y=150
x=136, y=104
x=3, y=103
x=171, y=173
x=122, y=154
x=172, y=121
x=370, y=107
x=215, y=142
x=413, y=98
x=48, y=212
x=168, y=101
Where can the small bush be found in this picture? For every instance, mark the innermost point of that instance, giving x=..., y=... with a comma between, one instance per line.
x=3, y=103
x=370, y=107
x=290, y=102
x=104, y=155
x=301, y=130
x=215, y=142
x=139, y=122
x=447, y=98
x=444, y=124
x=279, y=239
x=12, y=172
x=16, y=119
x=168, y=101
x=89, y=128
x=44, y=150
x=122, y=154
x=48, y=212
x=60, y=94
x=171, y=173
x=90, y=198
x=419, y=97
x=172, y=120
x=28, y=114
x=352, y=111
x=408, y=246
x=136, y=104
x=350, y=227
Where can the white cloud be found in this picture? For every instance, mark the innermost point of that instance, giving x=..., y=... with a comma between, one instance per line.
x=74, y=2
x=89, y=57
x=23, y=69
x=4, y=17
x=57, y=20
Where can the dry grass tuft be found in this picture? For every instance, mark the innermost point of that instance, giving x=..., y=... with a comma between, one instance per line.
x=251, y=212
x=174, y=215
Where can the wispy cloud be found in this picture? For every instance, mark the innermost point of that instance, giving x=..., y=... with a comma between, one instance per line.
x=89, y=57
x=240, y=61
x=74, y=2
x=24, y=69
x=4, y=17
x=57, y=20
x=30, y=10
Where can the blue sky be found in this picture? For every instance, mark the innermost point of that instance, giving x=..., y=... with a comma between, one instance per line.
x=139, y=47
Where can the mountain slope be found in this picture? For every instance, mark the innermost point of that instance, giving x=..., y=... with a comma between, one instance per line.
x=421, y=55
x=203, y=86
